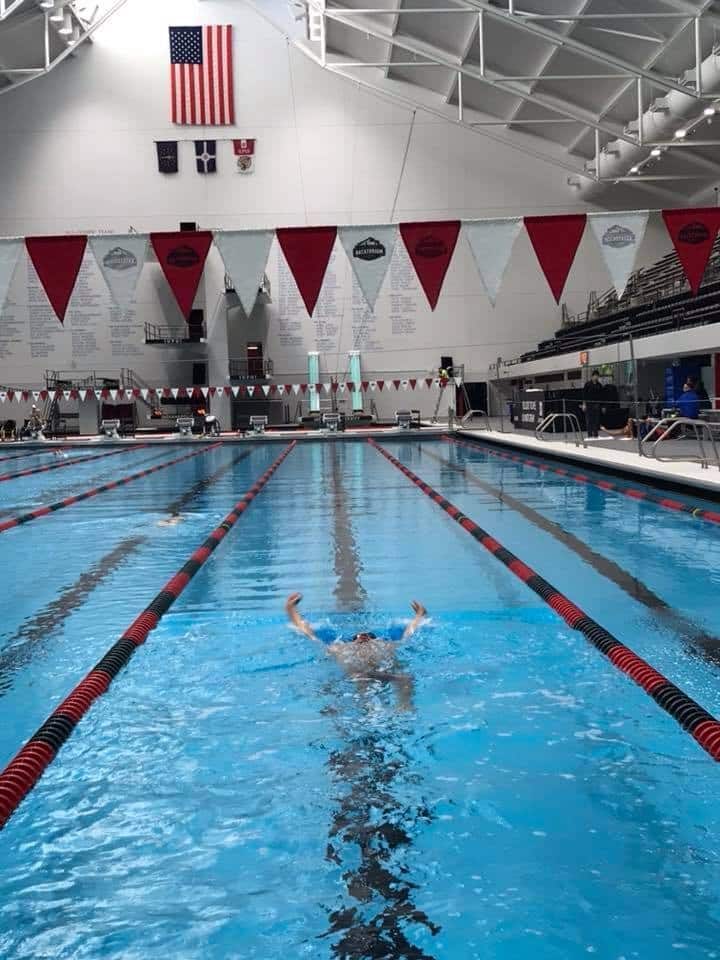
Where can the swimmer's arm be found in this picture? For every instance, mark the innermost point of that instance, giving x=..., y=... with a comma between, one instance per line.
x=291, y=605
x=420, y=614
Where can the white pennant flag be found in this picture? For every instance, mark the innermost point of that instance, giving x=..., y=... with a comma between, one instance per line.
x=235, y=390
x=66, y=394
x=266, y=389
x=491, y=242
x=458, y=381
x=619, y=236
x=296, y=388
x=369, y=250
x=9, y=253
x=3, y=396
x=36, y=395
x=405, y=384
x=204, y=391
x=281, y=389
x=373, y=385
x=245, y=254
x=113, y=394
x=421, y=384
x=82, y=394
x=144, y=393
x=173, y=390
x=326, y=387
x=120, y=257
x=342, y=387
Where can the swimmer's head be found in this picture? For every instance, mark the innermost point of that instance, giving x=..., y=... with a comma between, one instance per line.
x=363, y=637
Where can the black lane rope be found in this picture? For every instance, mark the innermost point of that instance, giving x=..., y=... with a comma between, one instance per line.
x=28, y=765
x=702, y=643
x=635, y=493
x=693, y=718
x=68, y=463
x=78, y=497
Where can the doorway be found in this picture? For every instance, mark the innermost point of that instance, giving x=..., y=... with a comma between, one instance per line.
x=255, y=365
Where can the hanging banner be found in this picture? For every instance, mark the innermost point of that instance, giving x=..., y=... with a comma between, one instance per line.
x=307, y=251
x=619, y=236
x=120, y=257
x=369, y=250
x=57, y=263
x=9, y=253
x=244, y=151
x=167, y=156
x=431, y=246
x=555, y=241
x=245, y=254
x=182, y=257
x=206, y=156
x=491, y=243
x=693, y=234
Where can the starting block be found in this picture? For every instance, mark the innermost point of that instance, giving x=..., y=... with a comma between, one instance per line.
x=185, y=425
x=110, y=429
x=258, y=424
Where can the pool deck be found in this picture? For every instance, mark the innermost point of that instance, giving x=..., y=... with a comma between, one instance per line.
x=615, y=455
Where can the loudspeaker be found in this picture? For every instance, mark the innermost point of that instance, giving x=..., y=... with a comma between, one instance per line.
x=188, y=226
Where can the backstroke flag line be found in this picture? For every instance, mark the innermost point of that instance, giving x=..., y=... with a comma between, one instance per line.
x=619, y=236
x=201, y=75
x=369, y=250
x=9, y=253
x=491, y=242
x=120, y=257
x=245, y=254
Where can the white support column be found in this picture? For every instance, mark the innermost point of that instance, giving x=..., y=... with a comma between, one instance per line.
x=481, y=40
x=640, y=109
x=597, y=154
x=698, y=57
x=460, y=96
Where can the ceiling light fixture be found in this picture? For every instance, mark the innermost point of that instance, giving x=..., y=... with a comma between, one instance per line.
x=681, y=133
x=709, y=111
x=656, y=152
x=58, y=15
x=67, y=28
x=47, y=4
x=635, y=169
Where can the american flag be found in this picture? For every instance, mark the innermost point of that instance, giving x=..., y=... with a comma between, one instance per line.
x=201, y=75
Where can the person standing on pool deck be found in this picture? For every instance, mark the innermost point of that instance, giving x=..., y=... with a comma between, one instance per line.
x=593, y=393
x=365, y=656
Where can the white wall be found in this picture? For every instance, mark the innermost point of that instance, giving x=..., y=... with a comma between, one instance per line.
x=77, y=154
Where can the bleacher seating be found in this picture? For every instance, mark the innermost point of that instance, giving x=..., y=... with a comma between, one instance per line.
x=657, y=300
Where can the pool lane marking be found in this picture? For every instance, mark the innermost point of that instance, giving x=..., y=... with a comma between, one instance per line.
x=30, y=453
x=693, y=718
x=78, y=497
x=28, y=765
x=68, y=463
x=635, y=493
x=704, y=643
x=20, y=646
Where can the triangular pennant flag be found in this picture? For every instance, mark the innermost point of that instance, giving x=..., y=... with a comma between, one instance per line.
x=296, y=388
x=66, y=394
x=235, y=391
x=351, y=386
x=82, y=394
x=369, y=250
x=303, y=387
x=381, y=384
x=619, y=236
x=412, y=384
x=182, y=257
x=135, y=393
x=266, y=389
x=289, y=387
x=43, y=395
x=405, y=384
x=213, y=390
x=205, y=391
x=333, y=386
x=364, y=385
x=693, y=233
x=272, y=388
x=174, y=391
x=144, y=393
x=245, y=254
x=431, y=246
x=36, y=395
x=491, y=243
x=184, y=392
x=458, y=381
x=57, y=262
x=3, y=396
x=342, y=387
x=281, y=389
x=396, y=384
x=120, y=257
x=9, y=253
x=11, y=395
x=73, y=394
x=373, y=385
x=307, y=252
x=326, y=387
x=244, y=390
x=113, y=395
x=421, y=384
x=91, y=393
x=429, y=382
x=555, y=241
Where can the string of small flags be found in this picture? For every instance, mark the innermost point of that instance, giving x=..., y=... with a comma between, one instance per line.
x=127, y=394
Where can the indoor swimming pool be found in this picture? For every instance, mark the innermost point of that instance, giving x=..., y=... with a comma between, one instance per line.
x=236, y=795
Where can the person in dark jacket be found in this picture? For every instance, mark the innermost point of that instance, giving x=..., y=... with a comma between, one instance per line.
x=689, y=403
x=593, y=395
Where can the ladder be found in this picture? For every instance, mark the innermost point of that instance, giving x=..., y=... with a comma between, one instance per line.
x=439, y=401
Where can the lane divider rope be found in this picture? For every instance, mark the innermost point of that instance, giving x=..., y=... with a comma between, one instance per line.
x=78, y=497
x=635, y=493
x=693, y=718
x=28, y=765
x=31, y=453
x=67, y=463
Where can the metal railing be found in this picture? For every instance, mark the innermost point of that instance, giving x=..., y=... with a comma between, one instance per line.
x=701, y=430
x=248, y=370
x=476, y=413
x=566, y=418
x=196, y=333
x=80, y=379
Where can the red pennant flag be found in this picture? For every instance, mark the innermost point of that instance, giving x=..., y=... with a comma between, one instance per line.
x=73, y=394
x=431, y=246
x=57, y=263
x=351, y=385
x=182, y=257
x=693, y=234
x=318, y=388
x=307, y=251
x=364, y=385
x=334, y=386
x=90, y=393
x=43, y=394
x=136, y=392
x=11, y=394
x=212, y=391
x=428, y=382
x=227, y=391
x=555, y=241
x=412, y=384
x=303, y=387
x=273, y=388
x=381, y=384
x=25, y=396
x=166, y=392
x=396, y=384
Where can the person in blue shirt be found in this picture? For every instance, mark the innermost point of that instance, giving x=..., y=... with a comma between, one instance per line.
x=365, y=656
x=689, y=403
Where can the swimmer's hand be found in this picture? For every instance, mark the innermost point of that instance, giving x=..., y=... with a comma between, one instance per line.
x=419, y=609
x=420, y=613
x=292, y=601
x=291, y=606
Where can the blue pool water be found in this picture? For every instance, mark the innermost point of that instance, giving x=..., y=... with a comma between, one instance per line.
x=235, y=795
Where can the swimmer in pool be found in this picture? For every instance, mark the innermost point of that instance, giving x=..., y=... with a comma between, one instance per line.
x=170, y=521
x=365, y=656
